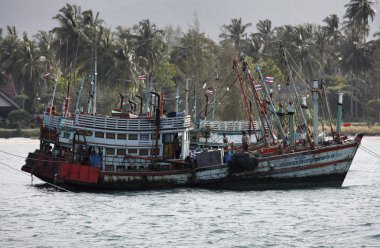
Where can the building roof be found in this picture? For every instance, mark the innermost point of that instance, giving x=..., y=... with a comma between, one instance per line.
x=7, y=92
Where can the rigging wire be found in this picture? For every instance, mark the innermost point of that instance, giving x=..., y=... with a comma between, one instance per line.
x=60, y=188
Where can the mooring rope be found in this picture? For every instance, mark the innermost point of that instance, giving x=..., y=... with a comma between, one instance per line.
x=370, y=152
x=58, y=187
x=35, y=159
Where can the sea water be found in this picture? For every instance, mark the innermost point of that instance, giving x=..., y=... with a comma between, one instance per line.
x=33, y=214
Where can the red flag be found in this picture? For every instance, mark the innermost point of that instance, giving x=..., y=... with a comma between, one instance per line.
x=346, y=124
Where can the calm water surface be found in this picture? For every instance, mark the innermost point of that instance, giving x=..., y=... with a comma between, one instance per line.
x=39, y=216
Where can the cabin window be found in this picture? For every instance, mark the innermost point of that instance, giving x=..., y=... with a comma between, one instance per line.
x=132, y=151
x=144, y=137
x=167, y=138
x=120, y=168
x=99, y=135
x=121, y=136
x=121, y=152
x=110, y=151
x=85, y=132
x=110, y=135
x=154, y=136
x=154, y=152
x=132, y=136
x=143, y=151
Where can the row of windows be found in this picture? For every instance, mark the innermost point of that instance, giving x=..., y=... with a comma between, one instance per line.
x=123, y=136
x=123, y=152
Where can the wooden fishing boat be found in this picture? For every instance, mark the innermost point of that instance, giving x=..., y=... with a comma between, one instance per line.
x=132, y=150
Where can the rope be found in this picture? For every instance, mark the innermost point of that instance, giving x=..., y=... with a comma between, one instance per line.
x=43, y=160
x=58, y=187
x=370, y=152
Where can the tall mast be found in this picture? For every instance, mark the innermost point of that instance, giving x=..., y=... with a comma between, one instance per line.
x=176, y=97
x=270, y=101
x=79, y=95
x=187, y=96
x=245, y=97
x=95, y=74
x=315, y=111
x=262, y=114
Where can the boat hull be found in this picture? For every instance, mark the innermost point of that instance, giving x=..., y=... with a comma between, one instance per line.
x=323, y=167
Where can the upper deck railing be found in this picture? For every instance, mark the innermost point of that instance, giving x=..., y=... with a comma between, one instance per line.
x=230, y=125
x=115, y=123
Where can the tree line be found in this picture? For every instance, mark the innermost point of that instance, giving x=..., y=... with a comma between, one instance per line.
x=338, y=52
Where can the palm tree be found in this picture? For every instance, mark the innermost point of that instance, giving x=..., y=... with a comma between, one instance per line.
x=150, y=44
x=123, y=66
x=9, y=54
x=266, y=34
x=235, y=32
x=44, y=42
x=356, y=61
x=358, y=12
x=31, y=67
x=68, y=35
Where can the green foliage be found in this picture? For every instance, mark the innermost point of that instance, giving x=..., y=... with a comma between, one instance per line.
x=165, y=74
x=335, y=51
x=269, y=68
x=373, y=107
x=19, y=119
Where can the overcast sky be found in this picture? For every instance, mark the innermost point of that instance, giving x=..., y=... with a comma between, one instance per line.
x=34, y=15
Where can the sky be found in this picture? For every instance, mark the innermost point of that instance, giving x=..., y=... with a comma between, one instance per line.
x=34, y=15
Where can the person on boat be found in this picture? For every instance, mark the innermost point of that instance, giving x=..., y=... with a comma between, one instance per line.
x=177, y=146
x=321, y=136
x=50, y=152
x=95, y=158
x=225, y=143
x=297, y=135
x=244, y=141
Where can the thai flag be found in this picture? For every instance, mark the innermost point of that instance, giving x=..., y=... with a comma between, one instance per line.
x=141, y=77
x=258, y=87
x=269, y=79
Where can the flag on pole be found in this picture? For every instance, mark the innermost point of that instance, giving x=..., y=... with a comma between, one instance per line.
x=258, y=87
x=47, y=75
x=141, y=77
x=269, y=79
x=210, y=91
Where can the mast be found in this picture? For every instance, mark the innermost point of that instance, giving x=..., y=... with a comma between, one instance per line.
x=79, y=95
x=67, y=101
x=297, y=103
x=339, y=119
x=95, y=75
x=270, y=99
x=141, y=102
x=244, y=95
x=187, y=96
x=157, y=116
x=315, y=111
x=176, y=97
x=262, y=111
x=291, y=123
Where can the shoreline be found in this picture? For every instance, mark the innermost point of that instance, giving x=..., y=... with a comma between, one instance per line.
x=19, y=133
